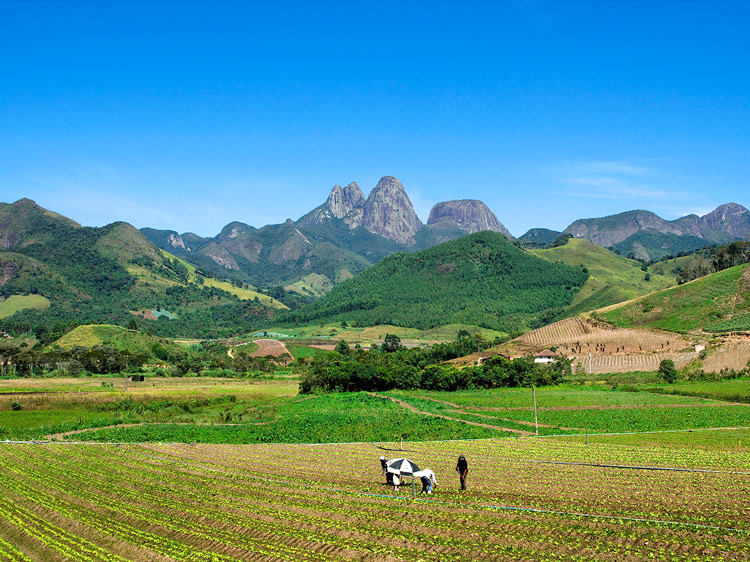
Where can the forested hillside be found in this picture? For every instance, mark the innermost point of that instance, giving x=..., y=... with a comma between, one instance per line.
x=481, y=279
x=109, y=275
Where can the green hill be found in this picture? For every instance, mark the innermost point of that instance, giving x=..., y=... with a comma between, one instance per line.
x=612, y=278
x=116, y=337
x=715, y=303
x=651, y=245
x=481, y=280
x=55, y=273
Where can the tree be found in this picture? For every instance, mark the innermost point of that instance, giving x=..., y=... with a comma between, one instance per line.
x=391, y=343
x=133, y=325
x=668, y=371
x=342, y=347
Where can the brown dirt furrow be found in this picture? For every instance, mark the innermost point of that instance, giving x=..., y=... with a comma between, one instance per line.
x=478, y=424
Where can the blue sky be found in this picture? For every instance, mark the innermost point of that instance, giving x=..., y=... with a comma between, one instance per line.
x=188, y=115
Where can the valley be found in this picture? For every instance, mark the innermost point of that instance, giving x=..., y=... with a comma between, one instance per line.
x=180, y=379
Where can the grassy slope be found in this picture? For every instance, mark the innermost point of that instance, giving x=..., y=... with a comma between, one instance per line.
x=14, y=303
x=695, y=305
x=113, y=336
x=244, y=294
x=613, y=278
x=313, y=284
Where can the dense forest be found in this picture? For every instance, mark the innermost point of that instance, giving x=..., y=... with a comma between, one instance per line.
x=481, y=280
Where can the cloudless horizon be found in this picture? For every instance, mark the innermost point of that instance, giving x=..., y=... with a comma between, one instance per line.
x=190, y=115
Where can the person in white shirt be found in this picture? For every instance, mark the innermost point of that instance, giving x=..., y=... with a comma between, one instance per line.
x=396, y=482
x=428, y=480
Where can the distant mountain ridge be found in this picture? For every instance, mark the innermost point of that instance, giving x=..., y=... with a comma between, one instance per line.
x=111, y=275
x=336, y=240
x=349, y=232
x=724, y=224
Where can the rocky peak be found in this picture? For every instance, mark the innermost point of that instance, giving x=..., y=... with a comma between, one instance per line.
x=468, y=215
x=731, y=219
x=341, y=201
x=389, y=212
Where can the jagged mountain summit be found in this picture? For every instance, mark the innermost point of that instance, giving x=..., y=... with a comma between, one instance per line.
x=389, y=212
x=334, y=241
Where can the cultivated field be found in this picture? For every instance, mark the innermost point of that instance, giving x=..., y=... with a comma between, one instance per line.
x=267, y=347
x=527, y=500
x=734, y=355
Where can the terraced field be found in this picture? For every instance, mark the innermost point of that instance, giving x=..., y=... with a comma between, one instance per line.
x=528, y=499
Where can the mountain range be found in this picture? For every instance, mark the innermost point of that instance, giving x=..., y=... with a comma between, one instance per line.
x=348, y=233
x=331, y=243
x=55, y=273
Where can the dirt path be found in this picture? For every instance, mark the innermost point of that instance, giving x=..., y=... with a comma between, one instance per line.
x=65, y=434
x=478, y=424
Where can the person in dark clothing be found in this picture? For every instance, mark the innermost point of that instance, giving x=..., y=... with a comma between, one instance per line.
x=462, y=467
x=388, y=475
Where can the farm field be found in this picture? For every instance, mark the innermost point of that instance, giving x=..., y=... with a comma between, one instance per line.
x=300, y=502
x=571, y=411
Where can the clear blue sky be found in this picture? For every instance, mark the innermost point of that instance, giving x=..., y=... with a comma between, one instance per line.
x=188, y=115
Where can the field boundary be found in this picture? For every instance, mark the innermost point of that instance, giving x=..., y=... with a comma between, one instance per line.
x=414, y=409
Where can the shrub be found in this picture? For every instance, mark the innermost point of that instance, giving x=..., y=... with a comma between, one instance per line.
x=668, y=371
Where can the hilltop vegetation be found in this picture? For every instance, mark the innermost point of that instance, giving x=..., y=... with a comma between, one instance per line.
x=715, y=303
x=481, y=279
x=612, y=278
x=57, y=274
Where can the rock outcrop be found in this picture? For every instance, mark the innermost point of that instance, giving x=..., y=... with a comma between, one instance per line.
x=468, y=215
x=341, y=201
x=389, y=212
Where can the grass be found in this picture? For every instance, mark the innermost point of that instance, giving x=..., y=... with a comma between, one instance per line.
x=711, y=440
x=335, y=332
x=116, y=337
x=691, y=306
x=546, y=397
x=314, y=284
x=272, y=411
x=612, y=277
x=299, y=351
x=737, y=390
x=321, y=419
x=16, y=303
x=240, y=292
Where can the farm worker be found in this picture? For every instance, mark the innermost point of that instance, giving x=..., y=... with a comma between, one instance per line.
x=396, y=482
x=462, y=467
x=384, y=466
x=428, y=480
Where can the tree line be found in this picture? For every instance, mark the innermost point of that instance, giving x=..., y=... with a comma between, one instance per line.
x=392, y=366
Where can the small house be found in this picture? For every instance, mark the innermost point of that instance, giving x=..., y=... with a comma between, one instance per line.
x=546, y=356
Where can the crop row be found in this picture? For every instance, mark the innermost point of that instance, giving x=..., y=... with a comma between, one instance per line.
x=286, y=502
